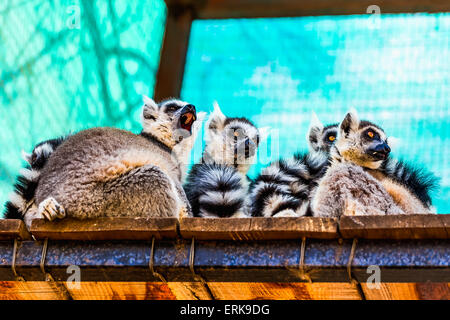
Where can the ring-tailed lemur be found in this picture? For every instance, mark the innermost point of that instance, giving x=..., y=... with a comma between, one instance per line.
x=320, y=138
x=362, y=179
x=113, y=172
x=218, y=185
x=283, y=188
x=22, y=199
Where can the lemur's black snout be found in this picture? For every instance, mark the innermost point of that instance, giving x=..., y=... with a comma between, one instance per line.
x=380, y=151
x=189, y=108
x=250, y=147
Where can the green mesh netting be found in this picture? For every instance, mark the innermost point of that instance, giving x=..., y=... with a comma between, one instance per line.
x=394, y=69
x=69, y=65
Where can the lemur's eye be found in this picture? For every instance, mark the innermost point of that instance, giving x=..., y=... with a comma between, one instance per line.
x=331, y=138
x=371, y=134
x=236, y=133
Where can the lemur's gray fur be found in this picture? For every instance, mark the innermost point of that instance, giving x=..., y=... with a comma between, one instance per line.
x=111, y=172
x=284, y=187
x=355, y=182
x=218, y=185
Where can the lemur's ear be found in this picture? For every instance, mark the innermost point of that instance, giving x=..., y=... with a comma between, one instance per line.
x=26, y=157
x=314, y=132
x=216, y=120
x=150, y=109
x=350, y=123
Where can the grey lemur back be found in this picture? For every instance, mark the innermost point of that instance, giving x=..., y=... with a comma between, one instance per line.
x=218, y=185
x=361, y=178
x=112, y=172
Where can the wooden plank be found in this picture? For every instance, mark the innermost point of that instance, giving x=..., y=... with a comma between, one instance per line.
x=173, y=53
x=41, y=290
x=258, y=228
x=105, y=229
x=189, y=290
x=395, y=227
x=225, y=9
x=283, y=291
x=408, y=291
x=13, y=229
x=122, y=291
x=31, y=290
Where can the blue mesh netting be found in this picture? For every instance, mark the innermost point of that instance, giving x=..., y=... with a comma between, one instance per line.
x=395, y=71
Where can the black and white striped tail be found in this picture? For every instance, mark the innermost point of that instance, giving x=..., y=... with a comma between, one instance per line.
x=22, y=198
x=23, y=195
x=419, y=181
x=215, y=190
x=285, y=185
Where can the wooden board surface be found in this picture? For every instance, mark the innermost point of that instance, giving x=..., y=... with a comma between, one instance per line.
x=407, y=291
x=105, y=229
x=14, y=290
x=258, y=228
x=13, y=229
x=433, y=226
x=283, y=291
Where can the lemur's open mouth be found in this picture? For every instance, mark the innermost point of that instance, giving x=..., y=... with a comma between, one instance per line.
x=188, y=116
x=187, y=120
x=378, y=155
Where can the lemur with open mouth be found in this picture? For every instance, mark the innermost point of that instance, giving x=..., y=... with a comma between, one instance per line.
x=218, y=185
x=283, y=188
x=361, y=179
x=112, y=172
x=22, y=199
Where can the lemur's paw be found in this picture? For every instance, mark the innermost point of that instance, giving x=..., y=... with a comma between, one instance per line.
x=240, y=214
x=50, y=209
x=184, y=213
x=286, y=213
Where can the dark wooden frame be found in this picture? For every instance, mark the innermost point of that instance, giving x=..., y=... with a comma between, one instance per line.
x=181, y=13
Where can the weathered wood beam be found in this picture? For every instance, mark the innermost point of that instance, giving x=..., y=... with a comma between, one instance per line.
x=227, y=9
x=105, y=229
x=173, y=53
x=13, y=229
x=348, y=227
x=39, y=290
x=432, y=226
x=231, y=261
x=258, y=228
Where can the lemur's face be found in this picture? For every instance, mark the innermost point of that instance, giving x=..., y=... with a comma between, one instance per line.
x=170, y=120
x=240, y=138
x=231, y=140
x=322, y=138
x=362, y=142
